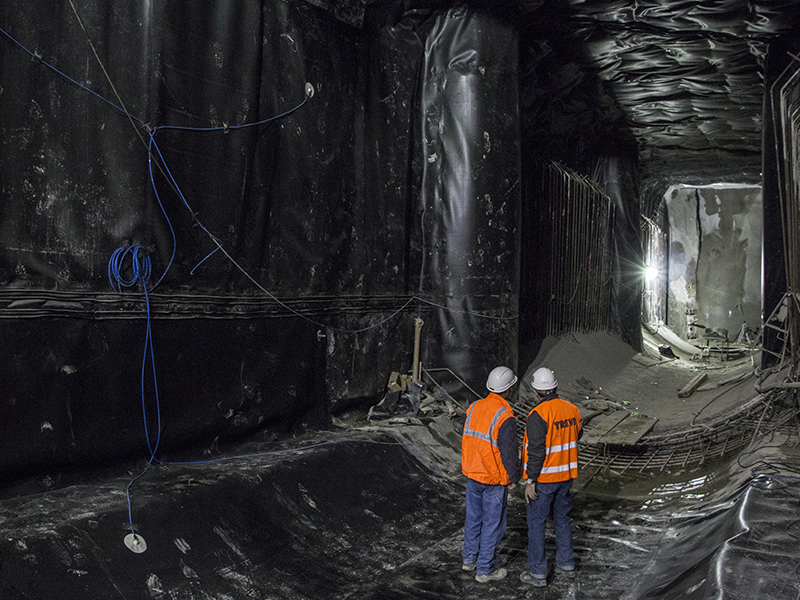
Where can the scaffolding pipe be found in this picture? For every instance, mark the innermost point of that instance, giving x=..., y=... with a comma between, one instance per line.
x=415, y=375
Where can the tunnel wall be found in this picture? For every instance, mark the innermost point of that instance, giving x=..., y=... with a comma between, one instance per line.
x=468, y=240
x=285, y=240
x=714, y=258
x=779, y=180
x=596, y=144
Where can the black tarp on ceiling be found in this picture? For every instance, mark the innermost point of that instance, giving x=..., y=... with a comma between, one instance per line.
x=681, y=80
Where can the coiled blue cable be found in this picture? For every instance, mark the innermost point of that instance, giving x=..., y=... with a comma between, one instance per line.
x=134, y=259
x=141, y=267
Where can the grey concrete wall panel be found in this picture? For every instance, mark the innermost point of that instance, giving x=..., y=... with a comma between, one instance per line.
x=715, y=258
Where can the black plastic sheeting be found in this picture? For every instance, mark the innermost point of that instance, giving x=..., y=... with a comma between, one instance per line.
x=681, y=81
x=739, y=547
x=470, y=189
x=63, y=402
x=617, y=175
x=644, y=95
x=380, y=515
x=774, y=267
x=387, y=190
x=319, y=521
x=287, y=242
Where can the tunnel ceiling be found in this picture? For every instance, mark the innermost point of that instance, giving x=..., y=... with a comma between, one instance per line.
x=679, y=81
x=684, y=79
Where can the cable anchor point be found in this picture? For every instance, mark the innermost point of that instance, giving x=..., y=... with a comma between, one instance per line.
x=135, y=543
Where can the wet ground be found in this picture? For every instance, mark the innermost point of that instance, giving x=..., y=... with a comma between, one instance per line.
x=375, y=511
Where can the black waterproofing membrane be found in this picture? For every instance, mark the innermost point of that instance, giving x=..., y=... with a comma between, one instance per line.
x=223, y=220
x=379, y=514
x=219, y=223
x=228, y=219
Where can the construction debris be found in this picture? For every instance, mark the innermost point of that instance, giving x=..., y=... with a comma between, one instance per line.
x=690, y=387
x=407, y=399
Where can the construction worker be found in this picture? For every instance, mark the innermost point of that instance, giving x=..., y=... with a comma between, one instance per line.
x=490, y=460
x=549, y=464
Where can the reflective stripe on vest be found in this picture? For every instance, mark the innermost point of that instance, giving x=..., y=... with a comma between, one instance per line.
x=562, y=447
x=481, y=459
x=559, y=469
x=486, y=437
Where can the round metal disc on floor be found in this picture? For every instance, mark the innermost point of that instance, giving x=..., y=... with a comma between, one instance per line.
x=135, y=543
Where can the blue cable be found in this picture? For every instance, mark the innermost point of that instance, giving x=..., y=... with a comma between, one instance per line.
x=37, y=57
x=161, y=205
x=140, y=267
x=149, y=345
x=202, y=261
x=227, y=128
x=128, y=496
x=136, y=255
x=152, y=145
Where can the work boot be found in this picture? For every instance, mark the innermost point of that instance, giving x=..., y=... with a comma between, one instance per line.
x=468, y=566
x=495, y=575
x=526, y=577
x=568, y=573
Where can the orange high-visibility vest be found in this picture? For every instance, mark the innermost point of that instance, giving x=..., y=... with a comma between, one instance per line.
x=561, y=444
x=480, y=454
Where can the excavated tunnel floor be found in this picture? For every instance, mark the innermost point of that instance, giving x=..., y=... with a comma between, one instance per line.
x=375, y=510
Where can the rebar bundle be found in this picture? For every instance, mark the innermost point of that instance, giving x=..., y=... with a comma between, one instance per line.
x=574, y=223
x=697, y=445
x=785, y=107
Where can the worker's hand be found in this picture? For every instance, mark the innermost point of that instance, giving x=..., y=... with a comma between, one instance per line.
x=511, y=486
x=530, y=492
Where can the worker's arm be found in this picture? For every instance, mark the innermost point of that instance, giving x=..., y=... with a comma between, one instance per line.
x=537, y=437
x=509, y=454
x=536, y=427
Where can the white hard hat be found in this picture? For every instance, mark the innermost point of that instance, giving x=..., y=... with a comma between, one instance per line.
x=500, y=379
x=544, y=380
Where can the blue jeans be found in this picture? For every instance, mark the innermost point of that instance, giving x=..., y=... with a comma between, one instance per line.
x=485, y=523
x=557, y=497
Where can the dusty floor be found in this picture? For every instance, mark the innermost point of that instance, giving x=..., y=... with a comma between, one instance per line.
x=645, y=383
x=376, y=512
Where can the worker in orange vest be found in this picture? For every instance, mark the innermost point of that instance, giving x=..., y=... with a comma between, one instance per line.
x=549, y=464
x=490, y=460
